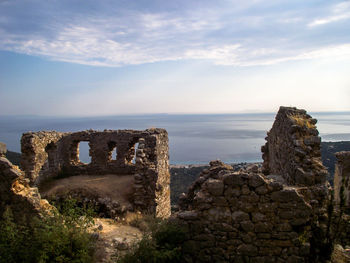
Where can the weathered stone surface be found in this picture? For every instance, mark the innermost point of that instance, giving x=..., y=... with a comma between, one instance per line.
x=188, y=215
x=3, y=149
x=16, y=193
x=341, y=177
x=285, y=196
x=233, y=179
x=215, y=187
x=293, y=144
x=239, y=216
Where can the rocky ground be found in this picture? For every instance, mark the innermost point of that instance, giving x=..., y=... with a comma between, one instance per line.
x=113, y=239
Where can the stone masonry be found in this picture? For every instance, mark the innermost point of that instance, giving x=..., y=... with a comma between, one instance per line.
x=47, y=154
x=250, y=216
x=341, y=178
x=3, y=149
x=16, y=193
x=293, y=148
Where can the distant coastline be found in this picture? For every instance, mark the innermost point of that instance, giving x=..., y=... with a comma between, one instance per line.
x=193, y=138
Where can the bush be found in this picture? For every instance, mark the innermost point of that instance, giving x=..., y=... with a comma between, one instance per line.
x=163, y=244
x=58, y=238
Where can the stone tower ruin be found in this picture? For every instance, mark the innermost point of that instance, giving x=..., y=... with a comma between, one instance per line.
x=141, y=154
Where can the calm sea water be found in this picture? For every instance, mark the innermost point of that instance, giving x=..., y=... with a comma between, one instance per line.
x=193, y=139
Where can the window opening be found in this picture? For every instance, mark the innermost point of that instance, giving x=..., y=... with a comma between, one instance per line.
x=136, y=146
x=83, y=149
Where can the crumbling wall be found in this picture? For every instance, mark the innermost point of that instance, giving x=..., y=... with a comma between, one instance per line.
x=16, y=193
x=293, y=148
x=35, y=148
x=48, y=154
x=249, y=216
x=341, y=178
x=3, y=149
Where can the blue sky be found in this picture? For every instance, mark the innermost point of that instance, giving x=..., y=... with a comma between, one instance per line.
x=104, y=57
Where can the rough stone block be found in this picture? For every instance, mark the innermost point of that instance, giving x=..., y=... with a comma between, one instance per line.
x=286, y=195
x=215, y=187
x=239, y=216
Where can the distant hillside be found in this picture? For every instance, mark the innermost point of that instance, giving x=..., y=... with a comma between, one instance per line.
x=328, y=149
x=14, y=157
x=181, y=179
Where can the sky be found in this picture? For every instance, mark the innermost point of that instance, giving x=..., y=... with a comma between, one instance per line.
x=91, y=58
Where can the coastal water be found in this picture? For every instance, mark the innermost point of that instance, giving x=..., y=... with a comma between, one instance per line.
x=193, y=139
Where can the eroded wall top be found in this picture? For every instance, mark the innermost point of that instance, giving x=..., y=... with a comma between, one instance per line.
x=292, y=149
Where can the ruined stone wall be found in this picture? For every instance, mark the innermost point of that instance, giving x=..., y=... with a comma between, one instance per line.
x=293, y=148
x=48, y=154
x=16, y=193
x=35, y=148
x=341, y=178
x=249, y=216
x=3, y=149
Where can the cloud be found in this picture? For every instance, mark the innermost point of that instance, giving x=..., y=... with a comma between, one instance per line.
x=339, y=12
x=229, y=33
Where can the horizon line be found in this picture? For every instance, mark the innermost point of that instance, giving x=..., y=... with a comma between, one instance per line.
x=164, y=114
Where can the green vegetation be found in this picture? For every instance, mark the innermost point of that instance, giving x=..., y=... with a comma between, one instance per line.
x=162, y=243
x=62, y=237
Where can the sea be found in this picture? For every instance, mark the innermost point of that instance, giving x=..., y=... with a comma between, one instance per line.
x=193, y=138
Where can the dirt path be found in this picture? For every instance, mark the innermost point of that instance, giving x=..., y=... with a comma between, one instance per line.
x=114, y=239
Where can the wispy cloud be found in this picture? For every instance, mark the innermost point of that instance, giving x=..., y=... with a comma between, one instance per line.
x=340, y=11
x=226, y=34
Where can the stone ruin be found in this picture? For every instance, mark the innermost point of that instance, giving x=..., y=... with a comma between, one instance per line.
x=293, y=149
x=341, y=179
x=16, y=192
x=141, y=155
x=275, y=215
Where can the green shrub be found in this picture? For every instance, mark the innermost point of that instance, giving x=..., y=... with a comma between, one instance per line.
x=58, y=238
x=162, y=245
x=12, y=238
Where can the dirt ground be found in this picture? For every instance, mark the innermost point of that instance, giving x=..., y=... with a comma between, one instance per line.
x=115, y=187
x=114, y=239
